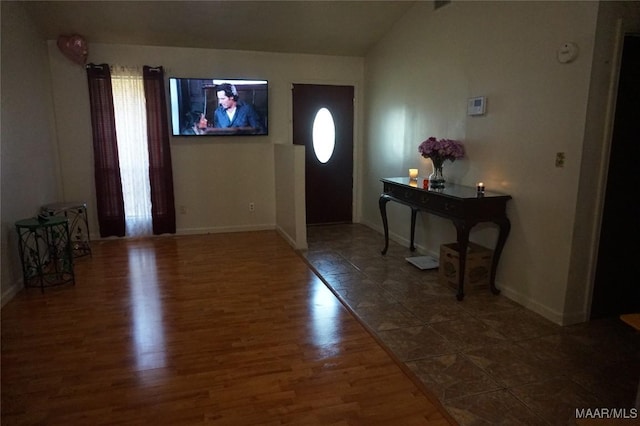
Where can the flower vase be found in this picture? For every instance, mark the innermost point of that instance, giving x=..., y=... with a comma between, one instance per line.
x=436, y=179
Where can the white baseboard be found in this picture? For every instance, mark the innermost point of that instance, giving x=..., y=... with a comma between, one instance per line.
x=550, y=314
x=224, y=229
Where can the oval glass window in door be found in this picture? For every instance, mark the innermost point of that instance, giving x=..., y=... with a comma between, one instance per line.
x=324, y=135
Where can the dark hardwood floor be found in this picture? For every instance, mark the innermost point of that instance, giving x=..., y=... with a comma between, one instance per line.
x=227, y=329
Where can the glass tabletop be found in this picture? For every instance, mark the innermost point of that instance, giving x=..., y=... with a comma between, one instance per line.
x=34, y=222
x=450, y=189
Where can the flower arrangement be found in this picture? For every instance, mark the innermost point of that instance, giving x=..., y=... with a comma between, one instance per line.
x=439, y=150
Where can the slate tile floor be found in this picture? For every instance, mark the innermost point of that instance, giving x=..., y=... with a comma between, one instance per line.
x=489, y=360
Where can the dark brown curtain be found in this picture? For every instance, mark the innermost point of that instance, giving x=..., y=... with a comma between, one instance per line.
x=163, y=209
x=110, y=202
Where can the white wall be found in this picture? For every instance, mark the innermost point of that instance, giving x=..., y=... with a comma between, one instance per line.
x=215, y=178
x=29, y=156
x=291, y=218
x=418, y=81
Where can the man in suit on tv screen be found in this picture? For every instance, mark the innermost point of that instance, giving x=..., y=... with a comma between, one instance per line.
x=234, y=114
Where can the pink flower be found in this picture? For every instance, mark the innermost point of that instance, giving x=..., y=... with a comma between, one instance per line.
x=439, y=150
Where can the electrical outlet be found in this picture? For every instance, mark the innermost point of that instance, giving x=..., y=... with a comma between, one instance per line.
x=560, y=159
x=183, y=209
x=252, y=207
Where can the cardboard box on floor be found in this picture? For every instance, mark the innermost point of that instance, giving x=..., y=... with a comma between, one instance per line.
x=477, y=268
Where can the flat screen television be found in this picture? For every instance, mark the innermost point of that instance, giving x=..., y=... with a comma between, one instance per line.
x=219, y=107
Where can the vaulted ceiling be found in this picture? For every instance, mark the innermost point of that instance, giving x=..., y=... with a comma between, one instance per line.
x=345, y=28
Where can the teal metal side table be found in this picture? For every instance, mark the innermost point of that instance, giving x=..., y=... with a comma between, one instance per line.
x=76, y=212
x=45, y=251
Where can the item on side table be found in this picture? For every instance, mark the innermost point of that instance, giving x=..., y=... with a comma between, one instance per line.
x=439, y=150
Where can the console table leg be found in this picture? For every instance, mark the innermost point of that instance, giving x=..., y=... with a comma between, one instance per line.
x=383, y=212
x=414, y=212
x=505, y=228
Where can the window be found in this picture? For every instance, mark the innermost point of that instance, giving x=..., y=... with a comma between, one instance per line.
x=133, y=153
x=324, y=135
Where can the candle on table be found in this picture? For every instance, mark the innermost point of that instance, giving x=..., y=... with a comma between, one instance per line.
x=413, y=173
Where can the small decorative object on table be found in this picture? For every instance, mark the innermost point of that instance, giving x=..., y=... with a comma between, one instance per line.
x=439, y=150
x=480, y=189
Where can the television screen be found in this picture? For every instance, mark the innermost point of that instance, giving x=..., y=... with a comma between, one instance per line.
x=218, y=107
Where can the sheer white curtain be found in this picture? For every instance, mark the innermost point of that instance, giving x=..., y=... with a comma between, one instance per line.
x=131, y=131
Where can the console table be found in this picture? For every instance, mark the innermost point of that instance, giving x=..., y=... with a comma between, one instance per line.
x=461, y=204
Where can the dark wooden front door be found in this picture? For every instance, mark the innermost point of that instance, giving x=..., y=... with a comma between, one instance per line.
x=329, y=185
